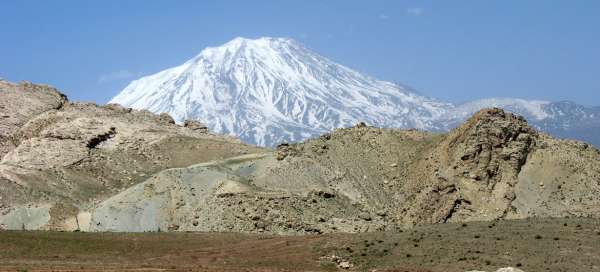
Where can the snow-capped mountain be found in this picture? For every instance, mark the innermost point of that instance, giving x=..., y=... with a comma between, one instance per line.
x=569, y=120
x=272, y=90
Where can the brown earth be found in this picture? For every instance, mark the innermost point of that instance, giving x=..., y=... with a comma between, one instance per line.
x=531, y=245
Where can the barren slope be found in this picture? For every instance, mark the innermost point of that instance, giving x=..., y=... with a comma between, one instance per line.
x=61, y=158
x=109, y=168
x=366, y=179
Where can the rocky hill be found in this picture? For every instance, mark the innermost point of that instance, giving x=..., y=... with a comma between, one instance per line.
x=108, y=168
x=59, y=158
x=363, y=179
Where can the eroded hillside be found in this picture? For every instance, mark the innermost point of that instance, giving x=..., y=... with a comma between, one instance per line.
x=61, y=158
x=108, y=168
x=363, y=179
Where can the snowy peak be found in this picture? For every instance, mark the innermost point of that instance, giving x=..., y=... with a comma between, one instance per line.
x=240, y=44
x=271, y=90
x=240, y=49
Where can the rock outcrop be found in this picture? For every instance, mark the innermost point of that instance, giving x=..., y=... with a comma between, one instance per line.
x=19, y=104
x=60, y=158
x=366, y=179
x=476, y=167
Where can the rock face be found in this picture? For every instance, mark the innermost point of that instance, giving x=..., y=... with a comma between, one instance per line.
x=482, y=160
x=59, y=158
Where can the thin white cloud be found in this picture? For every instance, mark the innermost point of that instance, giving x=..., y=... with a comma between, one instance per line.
x=117, y=75
x=383, y=16
x=415, y=11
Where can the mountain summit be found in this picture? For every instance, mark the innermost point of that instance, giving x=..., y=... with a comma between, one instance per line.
x=272, y=90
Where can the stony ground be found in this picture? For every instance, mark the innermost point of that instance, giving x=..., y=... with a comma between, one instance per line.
x=531, y=245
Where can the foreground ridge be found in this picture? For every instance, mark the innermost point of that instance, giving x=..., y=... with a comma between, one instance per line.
x=107, y=168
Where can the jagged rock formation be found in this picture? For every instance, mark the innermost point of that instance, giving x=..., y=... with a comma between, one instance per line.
x=476, y=167
x=59, y=158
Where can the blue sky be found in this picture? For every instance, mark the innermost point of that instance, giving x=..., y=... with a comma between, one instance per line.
x=452, y=50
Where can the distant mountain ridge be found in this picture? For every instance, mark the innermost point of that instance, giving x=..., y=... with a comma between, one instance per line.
x=272, y=90
x=563, y=119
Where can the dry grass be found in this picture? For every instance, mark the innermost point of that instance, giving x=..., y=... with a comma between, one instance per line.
x=532, y=245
